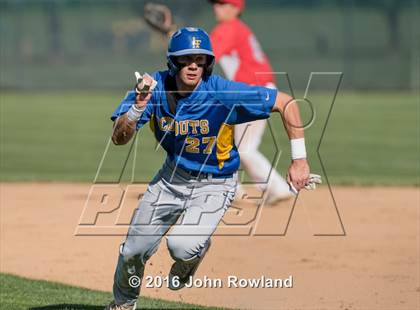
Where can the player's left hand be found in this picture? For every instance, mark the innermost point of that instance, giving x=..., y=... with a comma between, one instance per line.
x=298, y=174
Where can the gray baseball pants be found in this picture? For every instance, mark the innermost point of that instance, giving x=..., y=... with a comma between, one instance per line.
x=192, y=206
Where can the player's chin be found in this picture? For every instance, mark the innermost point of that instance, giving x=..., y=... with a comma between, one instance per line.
x=191, y=80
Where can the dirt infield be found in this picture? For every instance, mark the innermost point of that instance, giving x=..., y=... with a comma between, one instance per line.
x=375, y=266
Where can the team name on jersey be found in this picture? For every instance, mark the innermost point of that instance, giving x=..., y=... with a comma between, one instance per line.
x=184, y=127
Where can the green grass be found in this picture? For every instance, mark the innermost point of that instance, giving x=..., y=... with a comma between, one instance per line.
x=19, y=293
x=371, y=138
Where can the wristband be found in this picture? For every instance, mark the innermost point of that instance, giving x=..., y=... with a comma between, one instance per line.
x=134, y=113
x=298, y=148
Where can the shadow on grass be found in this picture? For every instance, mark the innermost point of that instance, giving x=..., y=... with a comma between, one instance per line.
x=68, y=307
x=78, y=307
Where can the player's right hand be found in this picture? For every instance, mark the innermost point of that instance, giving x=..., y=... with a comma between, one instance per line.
x=144, y=87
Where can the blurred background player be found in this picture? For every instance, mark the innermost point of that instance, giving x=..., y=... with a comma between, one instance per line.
x=242, y=60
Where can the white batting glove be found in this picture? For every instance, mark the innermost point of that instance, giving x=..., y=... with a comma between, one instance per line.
x=144, y=83
x=314, y=179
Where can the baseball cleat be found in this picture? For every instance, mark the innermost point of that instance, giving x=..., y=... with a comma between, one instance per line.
x=182, y=272
x=114, y=306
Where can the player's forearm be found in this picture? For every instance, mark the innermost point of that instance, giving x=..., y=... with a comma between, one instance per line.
x=298, y=173
x=290, y=113
x=124, y=130
x=125, y=126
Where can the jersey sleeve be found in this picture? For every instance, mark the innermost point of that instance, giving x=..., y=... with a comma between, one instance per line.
x=222, y=40
x=126, y=104
x=246, y=103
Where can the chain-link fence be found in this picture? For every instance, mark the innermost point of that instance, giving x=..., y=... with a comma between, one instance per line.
x=88, y=44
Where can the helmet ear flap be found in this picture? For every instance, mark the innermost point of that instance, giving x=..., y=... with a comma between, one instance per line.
x=173, y=68
x=210, y=65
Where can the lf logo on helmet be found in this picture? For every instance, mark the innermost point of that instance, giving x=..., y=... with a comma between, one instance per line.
x=196, y=43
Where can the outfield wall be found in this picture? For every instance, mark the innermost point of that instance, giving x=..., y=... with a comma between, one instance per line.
x=74, y=44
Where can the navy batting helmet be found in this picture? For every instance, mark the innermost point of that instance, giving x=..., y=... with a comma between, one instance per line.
x=189, y=41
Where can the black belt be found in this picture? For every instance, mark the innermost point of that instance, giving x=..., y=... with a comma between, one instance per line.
x=204, y=175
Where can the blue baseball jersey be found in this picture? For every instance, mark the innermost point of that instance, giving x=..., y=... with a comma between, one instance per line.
x=199, y=133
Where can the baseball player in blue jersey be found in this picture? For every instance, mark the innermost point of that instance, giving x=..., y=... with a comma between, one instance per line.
x=192, y=114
